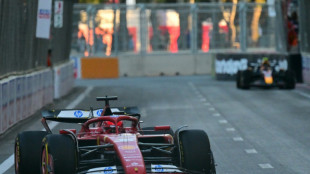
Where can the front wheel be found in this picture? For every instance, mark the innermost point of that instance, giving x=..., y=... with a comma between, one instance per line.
x=244, y=79
x=59, y=155
x=195, y=153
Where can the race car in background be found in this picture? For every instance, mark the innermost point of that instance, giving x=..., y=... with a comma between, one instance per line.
x=111, y=140
x=265, y=75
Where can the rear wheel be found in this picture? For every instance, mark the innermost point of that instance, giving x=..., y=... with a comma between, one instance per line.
x=289, y=80
x=244, y=79
x=238, y=80
x=27, y=152
x=58, y=155
x=195, y=152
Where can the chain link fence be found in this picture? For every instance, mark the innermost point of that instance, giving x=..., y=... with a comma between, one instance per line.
x=20, y=50
x=106, y=30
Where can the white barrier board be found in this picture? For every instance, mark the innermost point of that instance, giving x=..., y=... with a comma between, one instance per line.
x=19, y=98
x=12, y=101
x=5, y=105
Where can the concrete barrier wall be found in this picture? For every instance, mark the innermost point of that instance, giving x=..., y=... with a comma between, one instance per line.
x=137, y=65
x=306, y=68
x=165, y=64
x=63, y=79
x=21, y=96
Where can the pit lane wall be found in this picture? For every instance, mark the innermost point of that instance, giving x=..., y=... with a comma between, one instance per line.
x=22, y=95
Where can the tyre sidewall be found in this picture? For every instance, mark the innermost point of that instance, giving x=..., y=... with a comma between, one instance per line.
x=27, y=151
x=195, y=152
x=62, y=148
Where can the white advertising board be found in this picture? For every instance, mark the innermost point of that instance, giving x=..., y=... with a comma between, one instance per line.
x=44, y=19
x=5, y=105
x=29, y=94
x=57, y=81
x=58, y=14
x=24, y=100
x=34, y=93
x=50, y=87
x=306, y=68
x=44, y=87
x=40, y=91
x=76, y=66
x=12, y=101
x=19, y=98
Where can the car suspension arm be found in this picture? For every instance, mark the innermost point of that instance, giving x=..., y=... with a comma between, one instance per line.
x=45, y=125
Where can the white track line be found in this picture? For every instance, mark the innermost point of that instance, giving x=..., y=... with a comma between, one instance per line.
x=230, y=129
x=250, y=151
x=211, y=109
x=216, y=114
x=303, y=94
x=203, y=99
x=223, y=121
x=9, y=162
x=207, y=104
x=238, y=139
x=265, y=166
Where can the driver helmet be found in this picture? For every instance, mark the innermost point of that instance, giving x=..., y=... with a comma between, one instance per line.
x=108, y=125
x=265, y=61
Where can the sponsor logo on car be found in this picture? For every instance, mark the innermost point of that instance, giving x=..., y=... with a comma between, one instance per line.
x=159, y=168
x=127, y=147
x=99, y=111
x=78, y=114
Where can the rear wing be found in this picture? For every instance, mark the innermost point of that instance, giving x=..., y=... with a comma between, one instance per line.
x=81, y=116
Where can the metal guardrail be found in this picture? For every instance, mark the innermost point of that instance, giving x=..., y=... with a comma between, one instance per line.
x=107, y=30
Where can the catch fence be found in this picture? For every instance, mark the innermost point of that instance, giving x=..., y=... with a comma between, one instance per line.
x=20, y=50
x=109, y=29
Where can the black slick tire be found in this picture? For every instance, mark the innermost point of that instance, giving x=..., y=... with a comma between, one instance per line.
x=28, y=152
x=61, y=153
x=290, y=81
x=238, y=79
x=244, y=79
x=195, y=152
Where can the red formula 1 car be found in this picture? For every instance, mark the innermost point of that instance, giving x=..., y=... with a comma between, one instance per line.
x=111, y=141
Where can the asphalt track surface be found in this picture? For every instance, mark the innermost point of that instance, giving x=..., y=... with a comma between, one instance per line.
x=256, y=131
